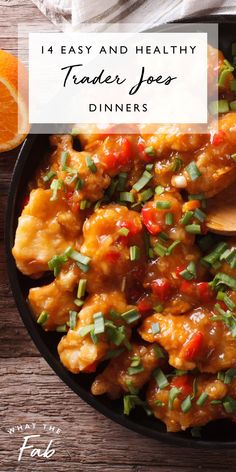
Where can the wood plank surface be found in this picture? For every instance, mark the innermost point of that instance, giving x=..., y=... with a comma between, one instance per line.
x=32, y=393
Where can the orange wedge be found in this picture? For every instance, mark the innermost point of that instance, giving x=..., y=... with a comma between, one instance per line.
x=13, y=104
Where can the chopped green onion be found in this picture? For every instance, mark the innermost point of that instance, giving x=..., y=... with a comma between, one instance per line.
x=233, y=156
x=226, y=299
x=78, y=302
x=193, y=171
x=163, y=205
x=159, y=353
x=146, y=195
x=223, y=279
x=225, y=70
x=163, y=236
x=122, y=177
x=144, y=179
x=155, y=328
x=176, y=164
x=55, y=186
x=227, y=376
x=159, y=190
x=127, y=197
x=149, y=167
x=43, y=317
x=187, y=217
x=49, y=176
x=77, y=256
x=134, y=253
x=81, y=288
x=79, y=183
x=75, y=131
x=61, y=328
x=131, y=315
x=64, y=156
x=85, y=330
x=215, y=255
x=115, y=334
x=216, y=402
x=160, y=250
x=193, y=229
x=233, y=105
x=159, y=403
x=123, y=231
x=158, y=308
x=160, y=378
x=130, y=401
x=190, y=272
x=233, y=85
x=169, y=218
x=99, y=325
x=56, y=263
x=196, y=196
x=114, y=314
x=201, y=400
x=135, y=361
x=172, y=246
x=229, y=405
x=93, y=336
x=218, y=106
x=186, y=404
x=83, y=204
x=200, y=215
x=173, y=394
x=91, y=165
x=135, y=370
x=150, y=151
x=131, y=388
x=72, y=319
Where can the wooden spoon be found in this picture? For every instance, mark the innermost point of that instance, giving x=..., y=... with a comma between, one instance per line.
x=221, y=212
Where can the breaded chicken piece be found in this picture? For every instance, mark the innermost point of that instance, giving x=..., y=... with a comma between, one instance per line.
x=81, y=352
x=217, y=396
x=193, y=340
x=45, y=228
x=128, y=372
x=54, y=301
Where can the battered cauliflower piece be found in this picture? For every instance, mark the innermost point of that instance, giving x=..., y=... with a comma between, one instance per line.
x=45, y=228
x=216, y=398
x=193, y=340
x=127, y=372
x=54, y=301
x=79, y=352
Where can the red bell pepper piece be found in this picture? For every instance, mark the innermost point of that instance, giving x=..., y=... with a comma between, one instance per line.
x=117, y=153
x=161, y=288
x=192, y=348
x=112, y=256
x=205, y=291
x=218, y=138
x=149, y=219
x=187, y=287
x=144, y=305
x=183, y=382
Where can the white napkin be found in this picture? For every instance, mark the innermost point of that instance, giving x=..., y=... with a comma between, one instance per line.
x=71, y=13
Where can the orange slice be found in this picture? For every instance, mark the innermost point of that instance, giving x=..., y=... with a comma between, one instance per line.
x=13, y=105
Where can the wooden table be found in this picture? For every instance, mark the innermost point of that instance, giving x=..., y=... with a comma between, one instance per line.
x=32, y=393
